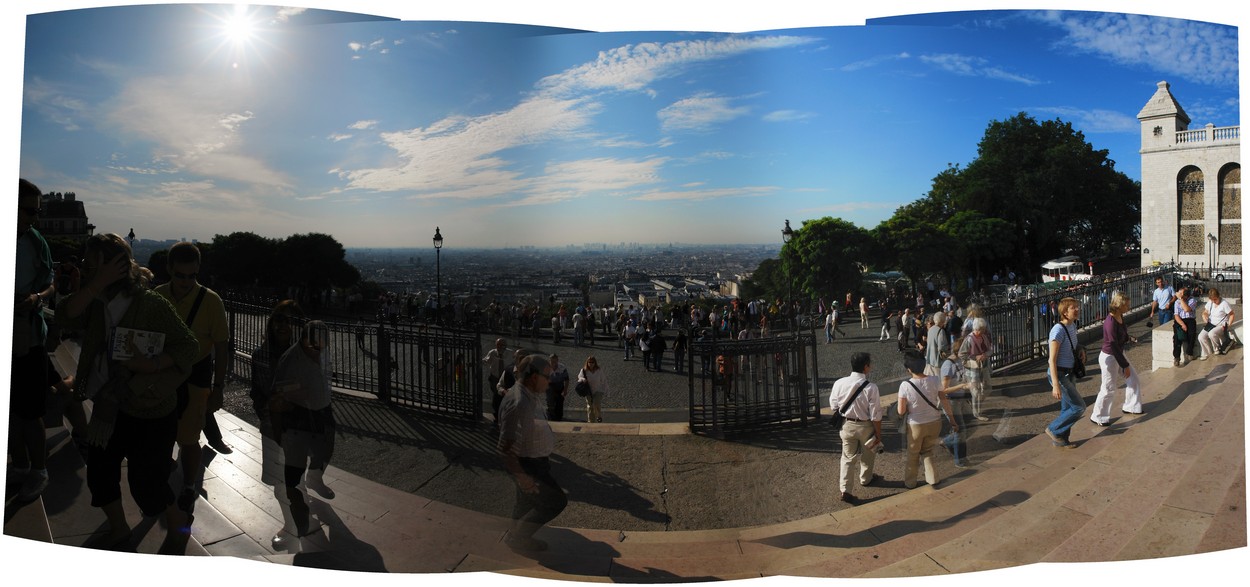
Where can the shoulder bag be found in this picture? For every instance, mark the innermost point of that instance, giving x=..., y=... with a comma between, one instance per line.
x=1078, y=357
x=839, y=416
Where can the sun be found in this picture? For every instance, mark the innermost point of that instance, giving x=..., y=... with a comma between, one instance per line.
x=240, y=26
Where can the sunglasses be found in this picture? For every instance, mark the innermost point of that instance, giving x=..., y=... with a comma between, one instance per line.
x=178, y=275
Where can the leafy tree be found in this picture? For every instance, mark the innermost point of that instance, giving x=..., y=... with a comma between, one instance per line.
x=1057, y=191
x=244, y=258
x=824, y=258
x=913, y=241
x=315, y=260
x=767, y=282
x=979, y=238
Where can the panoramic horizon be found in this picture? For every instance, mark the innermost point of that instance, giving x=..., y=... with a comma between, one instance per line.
x=185, y=121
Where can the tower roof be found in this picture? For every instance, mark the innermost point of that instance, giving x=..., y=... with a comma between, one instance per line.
x=1162, y=104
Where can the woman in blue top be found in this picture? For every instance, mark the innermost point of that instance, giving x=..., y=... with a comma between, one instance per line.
x=1062, y=383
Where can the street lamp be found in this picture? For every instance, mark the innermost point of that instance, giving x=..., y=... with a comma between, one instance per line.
x=787, y=233
x=438, y=267
x=1212, y=254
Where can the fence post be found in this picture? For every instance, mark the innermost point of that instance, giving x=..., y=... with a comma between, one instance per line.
x=384, y=364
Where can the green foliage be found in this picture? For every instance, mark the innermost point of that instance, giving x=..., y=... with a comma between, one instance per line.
x=824, y=258
x=767, y=282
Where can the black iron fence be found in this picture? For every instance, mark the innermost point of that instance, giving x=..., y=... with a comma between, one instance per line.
x=413, y=365
x=739, y=386
x=1020, y=328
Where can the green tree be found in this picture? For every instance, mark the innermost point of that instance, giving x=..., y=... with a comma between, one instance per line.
x=315, y=260
x=824, y=258
x=913, y=241
x=979, y=238
x=1057, y=191
x=244, y=259
x=768, y=281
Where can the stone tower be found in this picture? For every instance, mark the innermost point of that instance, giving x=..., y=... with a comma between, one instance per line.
x=1191, y=187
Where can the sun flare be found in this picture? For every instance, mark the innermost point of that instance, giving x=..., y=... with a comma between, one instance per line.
x=240, y=26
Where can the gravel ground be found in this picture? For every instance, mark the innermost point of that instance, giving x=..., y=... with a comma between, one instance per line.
x=680, y=482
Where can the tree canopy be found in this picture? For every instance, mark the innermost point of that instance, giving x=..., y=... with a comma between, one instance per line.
x=1036, y=191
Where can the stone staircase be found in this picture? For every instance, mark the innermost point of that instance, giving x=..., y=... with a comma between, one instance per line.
x=1167, y=483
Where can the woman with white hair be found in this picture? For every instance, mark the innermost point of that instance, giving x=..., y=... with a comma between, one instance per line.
x=937, y=345
x=975, y=353
x=1113, y=363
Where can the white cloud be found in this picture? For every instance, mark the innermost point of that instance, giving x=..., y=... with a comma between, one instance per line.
x=1197, y=51
x=707, y=194
x=355, y=47
x=376, y=43
x=194, y=127
x=967, y=65
x=699, y=113
x=363, y=124
x=633, y=67
x=1094, y=121
x=459, y=156
x=286, y=12
x=873, y=62
x=55, y=105
x=336, y=137
x=787, y=116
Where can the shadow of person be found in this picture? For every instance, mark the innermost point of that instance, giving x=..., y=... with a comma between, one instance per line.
x=337, y=548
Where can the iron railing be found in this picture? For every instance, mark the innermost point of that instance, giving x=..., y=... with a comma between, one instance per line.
x=739, y=386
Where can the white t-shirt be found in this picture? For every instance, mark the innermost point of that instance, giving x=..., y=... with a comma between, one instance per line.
x=918, y=410
x=1218, y=312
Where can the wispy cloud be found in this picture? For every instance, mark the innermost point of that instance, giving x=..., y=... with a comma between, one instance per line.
x=699, y=113
x=633, y=67
x=788, y=116
x=460, y=156
x=336, y=137
x=194, y=126
x=706, y=194
x=968, y=65
x=363, y=124
x=55, y=104
x=286, y=12
x=1093, y=121
x=874, y=61
x=1196, y=51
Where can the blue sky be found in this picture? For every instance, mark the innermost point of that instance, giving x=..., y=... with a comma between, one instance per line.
x=193, y=120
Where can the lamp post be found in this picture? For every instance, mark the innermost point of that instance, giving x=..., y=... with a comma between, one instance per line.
x=787, y=233
x=1212, y=253
x=438, y=268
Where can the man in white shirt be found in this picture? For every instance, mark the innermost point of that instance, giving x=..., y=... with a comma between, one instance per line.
x=526, y=442
x=1216, y=315
x=863, y=422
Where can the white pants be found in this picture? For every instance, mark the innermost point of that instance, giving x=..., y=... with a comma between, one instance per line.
x=1211, y=340
x=1111, y=376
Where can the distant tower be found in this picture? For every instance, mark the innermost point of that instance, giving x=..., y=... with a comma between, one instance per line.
x=1191, y=186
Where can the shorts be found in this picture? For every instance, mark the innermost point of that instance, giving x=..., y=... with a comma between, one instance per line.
x=28, y=385
x=191, y=421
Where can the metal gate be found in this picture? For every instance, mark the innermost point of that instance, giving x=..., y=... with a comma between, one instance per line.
x=740, y=386
x=434, y=370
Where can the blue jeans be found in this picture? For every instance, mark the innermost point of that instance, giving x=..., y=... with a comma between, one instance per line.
x=1165, y=316
x=1071, y=405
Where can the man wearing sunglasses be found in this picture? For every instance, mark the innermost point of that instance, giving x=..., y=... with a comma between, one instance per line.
x=203, y=312
x=28, y=382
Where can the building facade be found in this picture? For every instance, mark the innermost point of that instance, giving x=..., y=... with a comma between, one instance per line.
x=1190, y=188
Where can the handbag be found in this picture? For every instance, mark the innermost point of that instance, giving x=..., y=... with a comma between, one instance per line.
x=582, y=389
x=1078, y=357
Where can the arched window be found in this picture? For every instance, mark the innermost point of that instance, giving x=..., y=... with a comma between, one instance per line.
x=1189, y=201
x=1230, y=209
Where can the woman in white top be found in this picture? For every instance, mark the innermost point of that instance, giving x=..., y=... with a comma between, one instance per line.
x=1217, y=315
x=919, y=399
x=593, y=374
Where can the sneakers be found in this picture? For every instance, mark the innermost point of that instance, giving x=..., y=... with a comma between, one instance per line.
x=1057, y=441
x=33, y=485
x=1103, y=424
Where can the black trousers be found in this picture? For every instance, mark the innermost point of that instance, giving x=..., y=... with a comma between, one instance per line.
x=535, y=509
x=555, y=405
x=1182, y=338
x=146, y=445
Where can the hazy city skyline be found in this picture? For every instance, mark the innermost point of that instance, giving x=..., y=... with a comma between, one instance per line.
x=191, y=120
